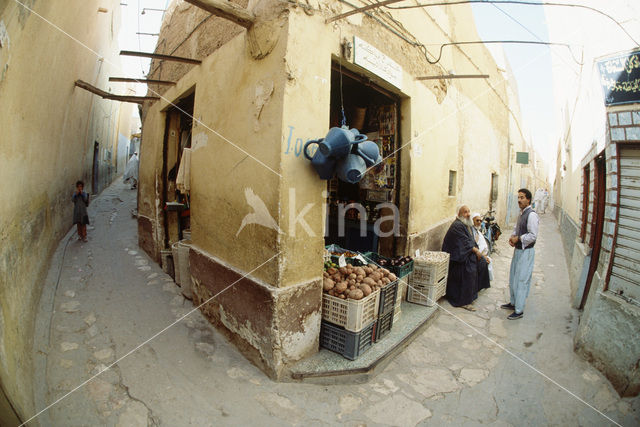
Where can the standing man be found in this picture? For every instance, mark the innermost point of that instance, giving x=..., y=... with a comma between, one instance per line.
x=462, y=284
x=523, y=240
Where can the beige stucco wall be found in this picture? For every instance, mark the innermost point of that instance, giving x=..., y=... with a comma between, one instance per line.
x=46, y=144
x=257, y=105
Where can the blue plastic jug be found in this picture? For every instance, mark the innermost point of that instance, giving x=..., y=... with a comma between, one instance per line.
x=324, y=165
x=338, y=141
x=351, y=168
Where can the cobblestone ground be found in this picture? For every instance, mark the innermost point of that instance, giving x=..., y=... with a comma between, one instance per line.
x=107, y=297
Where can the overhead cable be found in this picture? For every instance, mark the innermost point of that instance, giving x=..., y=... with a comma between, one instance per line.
x=523, y=3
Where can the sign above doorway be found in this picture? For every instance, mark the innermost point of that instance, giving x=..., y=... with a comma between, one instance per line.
x=370, y=58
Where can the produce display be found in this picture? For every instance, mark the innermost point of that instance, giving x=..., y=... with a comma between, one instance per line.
x=395, y=262
x=352, y=282
x=347, y=254
x=434, y=257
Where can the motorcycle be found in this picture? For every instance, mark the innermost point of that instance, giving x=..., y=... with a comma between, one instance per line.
x=490, y=230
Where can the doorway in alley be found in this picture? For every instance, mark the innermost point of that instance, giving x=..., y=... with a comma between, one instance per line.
x=374, y=111
x=96, y=168
x=176, y=204
x=597, y=222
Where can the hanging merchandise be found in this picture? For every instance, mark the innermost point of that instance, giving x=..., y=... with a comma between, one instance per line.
x=344, y=151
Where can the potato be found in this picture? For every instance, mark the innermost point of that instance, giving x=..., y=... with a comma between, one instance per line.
x=332, y=293
x=356, y=294
x=367, y=270
x=341, y=287
x=359, y=278
x=379, y=283
x=384, y=271
x=359, y=271
x=332, y=271
x=325, y=274
x=328, y=284
x=392, y=277
x=375, y=276
x=352, y=276
x=385, y=280
x=366, y=289
x=343, y=270
x=369, y=281
x=373, y=267
x=342, y=296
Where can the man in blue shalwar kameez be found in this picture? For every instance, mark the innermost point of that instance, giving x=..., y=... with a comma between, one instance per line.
x=523, y=240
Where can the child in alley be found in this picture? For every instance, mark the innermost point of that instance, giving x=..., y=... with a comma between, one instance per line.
x=80, y=201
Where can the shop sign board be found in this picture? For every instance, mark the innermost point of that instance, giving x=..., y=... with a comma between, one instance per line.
x=522, y=157
x=370, y=58
x=620, y=78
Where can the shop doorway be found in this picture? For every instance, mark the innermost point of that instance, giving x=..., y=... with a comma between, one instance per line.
x=597, y=223
x=176, y=205
x=374, y=111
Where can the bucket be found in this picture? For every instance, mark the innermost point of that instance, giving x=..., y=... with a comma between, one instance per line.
x=358, y=117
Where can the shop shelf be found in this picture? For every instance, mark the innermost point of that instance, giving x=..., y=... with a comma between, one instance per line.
x=430, y=272
x=426, y=294
x=388, y=298
x=384, y=325
x=353, y=315
x=348, y=344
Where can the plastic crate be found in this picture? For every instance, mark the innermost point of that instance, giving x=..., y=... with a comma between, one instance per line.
x=396, y=314
x=348, y=344
x=428, y=272
x=349, y=260
x=384, y=325
x=353, y=315
x=388, y=296
x=403, y=270
x=373, y=257
x=426, y=294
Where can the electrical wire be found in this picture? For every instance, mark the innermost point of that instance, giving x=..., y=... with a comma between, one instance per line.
x=443, y=45
x=522, y=3
x=532, y=33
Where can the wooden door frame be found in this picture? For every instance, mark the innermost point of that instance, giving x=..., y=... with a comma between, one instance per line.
x=597, y=220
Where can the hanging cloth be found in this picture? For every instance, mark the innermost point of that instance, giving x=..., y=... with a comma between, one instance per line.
x=183, y=180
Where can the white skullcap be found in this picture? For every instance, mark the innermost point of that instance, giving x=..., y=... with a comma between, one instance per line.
x=475, y=214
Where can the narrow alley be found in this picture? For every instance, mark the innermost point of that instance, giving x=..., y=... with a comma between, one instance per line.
x=106, y=303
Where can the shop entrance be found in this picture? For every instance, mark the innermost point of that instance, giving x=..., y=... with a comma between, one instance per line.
x=355, y=209
x=597, y=223
x=177, y=137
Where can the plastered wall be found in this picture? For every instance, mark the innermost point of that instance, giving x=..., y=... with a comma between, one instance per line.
x=46, y=144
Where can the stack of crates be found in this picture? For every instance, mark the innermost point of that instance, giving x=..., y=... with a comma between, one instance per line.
x=428, y=282
x=386, y=311
x=349, y=326
x=388, y=299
